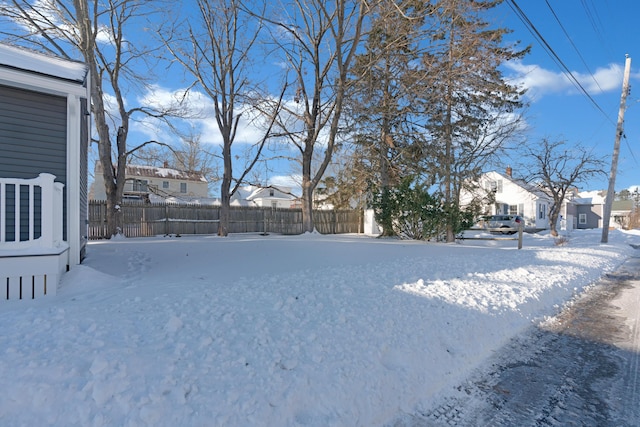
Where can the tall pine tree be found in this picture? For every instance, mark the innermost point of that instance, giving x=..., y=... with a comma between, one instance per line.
x=384, y=77
x=470, y=107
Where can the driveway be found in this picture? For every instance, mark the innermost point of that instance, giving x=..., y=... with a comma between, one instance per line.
x=580, y=368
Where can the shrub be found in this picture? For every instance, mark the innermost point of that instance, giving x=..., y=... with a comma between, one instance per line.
x=410, y=212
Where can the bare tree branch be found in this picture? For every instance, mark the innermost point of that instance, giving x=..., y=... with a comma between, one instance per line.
x=555, y=168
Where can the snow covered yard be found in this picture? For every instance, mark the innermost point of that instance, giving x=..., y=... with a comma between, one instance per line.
x=274, y=330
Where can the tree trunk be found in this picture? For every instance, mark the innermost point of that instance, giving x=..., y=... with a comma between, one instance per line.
x=307, y=205
x=387, y=229
x=554, y=213
x=223, y=225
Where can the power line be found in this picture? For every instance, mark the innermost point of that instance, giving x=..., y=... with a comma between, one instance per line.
x=596, y=24
x=554, y=56
x=534, y=31
x=553, y=12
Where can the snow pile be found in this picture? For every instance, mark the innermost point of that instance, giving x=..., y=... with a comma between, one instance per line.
x=251, y=330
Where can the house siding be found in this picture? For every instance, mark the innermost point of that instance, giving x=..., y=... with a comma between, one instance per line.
x=84, y=178
x=33, y=135
x=593, y=216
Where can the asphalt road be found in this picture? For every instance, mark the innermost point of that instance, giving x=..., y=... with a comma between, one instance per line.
x=580, y=369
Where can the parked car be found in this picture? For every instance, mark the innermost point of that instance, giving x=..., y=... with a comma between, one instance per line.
x=511, y=223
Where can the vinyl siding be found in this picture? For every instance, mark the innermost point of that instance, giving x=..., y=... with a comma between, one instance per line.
x=33, y=135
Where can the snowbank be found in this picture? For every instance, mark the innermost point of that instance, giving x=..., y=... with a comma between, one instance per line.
x=251, y=330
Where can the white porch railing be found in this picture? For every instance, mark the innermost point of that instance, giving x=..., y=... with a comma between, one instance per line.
x=33, y=254
x=19, y=211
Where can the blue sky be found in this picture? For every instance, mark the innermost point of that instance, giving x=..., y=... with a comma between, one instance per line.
x=600, y=34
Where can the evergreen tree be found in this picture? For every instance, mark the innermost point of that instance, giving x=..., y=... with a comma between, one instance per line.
x=384, y=77
x=470, y=107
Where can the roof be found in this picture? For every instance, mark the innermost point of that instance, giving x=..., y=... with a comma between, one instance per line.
x=531, y=188
x=590, y=198
x=156, y=172
x=622, y=205
x=24, y=59
x=248, y=193
x=144, y=171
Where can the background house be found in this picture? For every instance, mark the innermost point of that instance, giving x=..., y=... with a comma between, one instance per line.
x=275, y=197
x=505, y=195
x=151, y=183
x=44, y=136
x=585, y=210
x=621, y=211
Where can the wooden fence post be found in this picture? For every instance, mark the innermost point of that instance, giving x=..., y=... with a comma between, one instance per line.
x=520, y=233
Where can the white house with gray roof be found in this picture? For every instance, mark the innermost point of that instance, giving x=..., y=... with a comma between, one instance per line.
x=271, y=196
x=511, y=196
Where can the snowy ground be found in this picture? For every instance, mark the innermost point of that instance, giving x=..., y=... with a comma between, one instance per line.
x=273, y=330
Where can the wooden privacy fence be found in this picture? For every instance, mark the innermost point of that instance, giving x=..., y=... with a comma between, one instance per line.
x=138, y=219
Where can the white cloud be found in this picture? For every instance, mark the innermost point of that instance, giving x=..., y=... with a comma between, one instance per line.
x=539, y=81
x=199, y=114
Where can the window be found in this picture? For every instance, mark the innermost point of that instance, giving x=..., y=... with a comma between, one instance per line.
x=271, y=192
x=139, y=185
x=495, y=186
x=582, y=218
x=513, y=209
x=542, y=211
x=274, y=205
x=183, y=187
x=165, y=184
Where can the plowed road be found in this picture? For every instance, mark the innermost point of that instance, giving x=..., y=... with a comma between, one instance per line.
x=582, y=368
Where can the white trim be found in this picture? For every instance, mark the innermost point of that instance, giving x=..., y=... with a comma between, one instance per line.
x=29, y=270
x=73, y=177
x=40, y=83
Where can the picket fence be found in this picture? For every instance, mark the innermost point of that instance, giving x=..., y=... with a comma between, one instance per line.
x=138, y=219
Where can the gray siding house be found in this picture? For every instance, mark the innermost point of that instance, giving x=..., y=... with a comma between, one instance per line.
x=588, y=208
x=44, y=137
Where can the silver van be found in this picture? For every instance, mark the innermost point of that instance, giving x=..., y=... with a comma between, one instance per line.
x=511, y=223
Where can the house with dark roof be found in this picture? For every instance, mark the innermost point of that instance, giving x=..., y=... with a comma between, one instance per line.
x=156, y=184
x=44, y=139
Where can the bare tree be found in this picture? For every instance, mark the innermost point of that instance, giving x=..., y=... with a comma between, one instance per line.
x=97, y=32
x=556, y=167
x=318, y=40
x=216, y=52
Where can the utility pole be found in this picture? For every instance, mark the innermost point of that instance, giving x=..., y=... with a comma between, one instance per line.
x=616, y=151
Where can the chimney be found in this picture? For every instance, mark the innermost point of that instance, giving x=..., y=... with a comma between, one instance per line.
x=509, y=171
x=166, y=164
